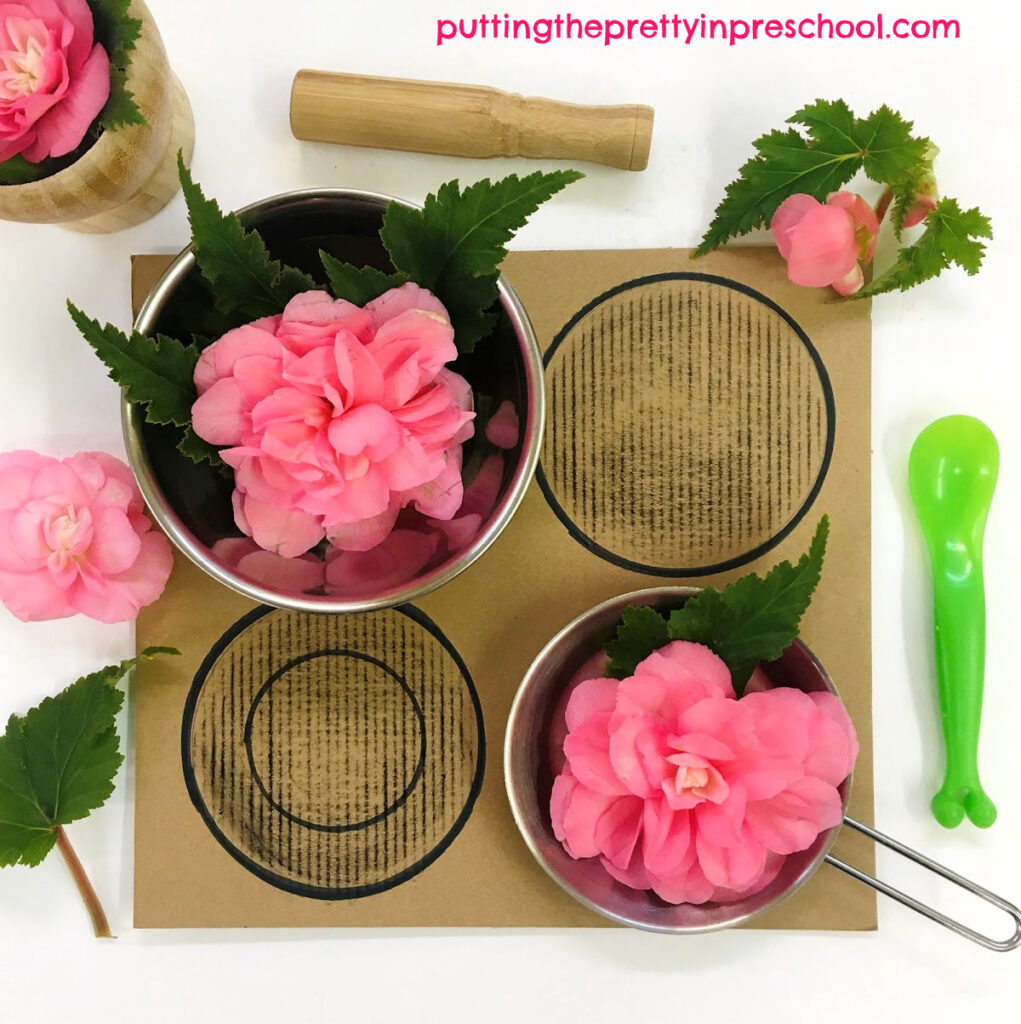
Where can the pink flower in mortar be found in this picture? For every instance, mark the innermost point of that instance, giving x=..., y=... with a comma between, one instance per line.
x=54, y=79
x=335, y=418
x=74, y=538
x=680, y=788
x=826, y=243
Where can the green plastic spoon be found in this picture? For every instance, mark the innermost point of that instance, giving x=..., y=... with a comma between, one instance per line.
x=952, y=473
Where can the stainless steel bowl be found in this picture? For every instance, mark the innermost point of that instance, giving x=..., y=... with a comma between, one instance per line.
x=194, y=514
x=529, y=779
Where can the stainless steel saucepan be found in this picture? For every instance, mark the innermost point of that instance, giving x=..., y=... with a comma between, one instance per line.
x=529, y=779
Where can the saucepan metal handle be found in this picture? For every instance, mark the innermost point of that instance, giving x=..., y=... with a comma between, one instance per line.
x=1002, y=945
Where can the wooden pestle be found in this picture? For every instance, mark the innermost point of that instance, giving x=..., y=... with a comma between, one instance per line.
x=464, y=120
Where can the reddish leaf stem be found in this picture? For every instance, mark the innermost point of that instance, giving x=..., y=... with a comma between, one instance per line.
x=884, y=204
x=99, y=922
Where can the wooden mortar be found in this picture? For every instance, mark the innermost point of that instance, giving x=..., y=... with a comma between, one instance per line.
x=130, y=173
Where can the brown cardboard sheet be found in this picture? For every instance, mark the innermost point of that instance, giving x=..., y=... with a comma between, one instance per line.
x=701, y=417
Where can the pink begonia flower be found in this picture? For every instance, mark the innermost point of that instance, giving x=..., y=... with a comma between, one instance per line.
x=335, y=418
x=287, y=575
x=74, y=538
x=54, y=79
x=826, y=243
x=680, y=788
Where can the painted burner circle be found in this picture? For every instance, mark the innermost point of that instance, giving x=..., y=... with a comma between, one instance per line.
x=690, y=424
x=334, y=756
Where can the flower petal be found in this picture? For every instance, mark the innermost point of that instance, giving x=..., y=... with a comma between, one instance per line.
x=587, y=749
x=822, y=247
x=115, y=544
x=787, y=217
x=286, y=531
x=790, y=821
x=119, y=598
x=575, y=810
x=666, y=838
x=34, y=596
x=62, y=128
x=290, y=575
x=638, y=752
x=590, y=697
x=217, y=360
x=503, y=429
x=682, y=660
x=618, y=828
x=851, y=282
x=399, y=300
x=688, y=885
x=17, y=473
x=731, y=866
x=398, y=558
x=837, y=769
x=219, y=415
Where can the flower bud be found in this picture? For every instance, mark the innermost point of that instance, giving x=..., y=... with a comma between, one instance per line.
x=926, y=197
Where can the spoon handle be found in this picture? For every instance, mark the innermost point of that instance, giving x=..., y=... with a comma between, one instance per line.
x=960, y=625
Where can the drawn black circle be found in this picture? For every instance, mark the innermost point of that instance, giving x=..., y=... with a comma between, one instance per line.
x=419, y=768
x=783, y=529
x=248, y=854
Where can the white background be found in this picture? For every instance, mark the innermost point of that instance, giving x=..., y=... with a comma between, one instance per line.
x=946, y=347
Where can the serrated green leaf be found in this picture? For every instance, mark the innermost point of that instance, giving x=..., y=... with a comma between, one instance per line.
x=115, y=29
x=454, y=245
x=460, y=233
x=755, y=618
x=951, y=236
x=891, y=153
x=148, y=654
x=235, y=262
x=357, y=284
x=900, y=205
x=121, y=109
x=830, y=122
x=16, y=170
x=201, y=452
x=118, y=32
x=642, y=630
x=467, y=300
x=58, y=762
x=787, y=163
x=155, y=372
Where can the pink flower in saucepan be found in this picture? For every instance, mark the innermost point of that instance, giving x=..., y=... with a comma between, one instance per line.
x=335, y=418
x=826, y=243
x=74, y=538
x=54, y=79
x=679, y=788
